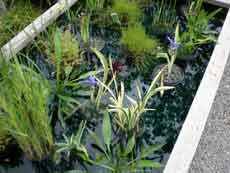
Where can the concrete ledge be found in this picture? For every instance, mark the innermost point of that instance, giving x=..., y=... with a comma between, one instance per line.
x=189, y=137
x=222, y=3
x=22, y=39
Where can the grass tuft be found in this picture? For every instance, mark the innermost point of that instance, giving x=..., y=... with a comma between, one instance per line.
x=24, y=109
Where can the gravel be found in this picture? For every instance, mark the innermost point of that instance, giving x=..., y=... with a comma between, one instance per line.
x=213, y=152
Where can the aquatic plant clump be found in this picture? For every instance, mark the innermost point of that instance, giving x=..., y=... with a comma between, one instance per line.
x=137, y=41
x=128, y=11
x=16, y=18
x=69, y=48
x=24, y=109
x=142, y=48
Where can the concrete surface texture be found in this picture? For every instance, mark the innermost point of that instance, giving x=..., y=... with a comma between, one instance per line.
x=213, y=152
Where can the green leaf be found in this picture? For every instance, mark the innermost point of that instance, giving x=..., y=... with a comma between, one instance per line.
x=130, y=145
x=57, y=45
x=107, y=130
x=80, y=131
x=105, y=65
x=98, y=141
x=147, y=164
x=177, y=33
x=147, y=151
x=88, y=74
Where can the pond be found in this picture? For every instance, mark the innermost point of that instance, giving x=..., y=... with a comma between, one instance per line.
x=106, y=88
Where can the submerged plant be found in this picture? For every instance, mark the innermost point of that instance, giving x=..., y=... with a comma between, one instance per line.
x=24, y=109
x=135, y=39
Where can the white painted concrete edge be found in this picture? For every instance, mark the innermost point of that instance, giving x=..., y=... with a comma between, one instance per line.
x=222, y=3
x=23, y=38
x=189, y=137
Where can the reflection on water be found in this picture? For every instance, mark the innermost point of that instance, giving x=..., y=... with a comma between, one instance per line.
x=22, y=168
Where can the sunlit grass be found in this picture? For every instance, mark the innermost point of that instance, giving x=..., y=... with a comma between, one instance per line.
x=24, y=109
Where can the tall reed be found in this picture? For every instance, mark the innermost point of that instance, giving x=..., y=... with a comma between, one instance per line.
x=23, y=108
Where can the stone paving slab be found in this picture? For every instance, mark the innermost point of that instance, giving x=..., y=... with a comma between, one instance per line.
x=213, y=152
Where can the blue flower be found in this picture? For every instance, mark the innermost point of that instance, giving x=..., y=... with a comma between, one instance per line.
x=91, y=81
x=173, y=43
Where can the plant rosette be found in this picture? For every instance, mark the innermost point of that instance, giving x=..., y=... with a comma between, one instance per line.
x=176, y=76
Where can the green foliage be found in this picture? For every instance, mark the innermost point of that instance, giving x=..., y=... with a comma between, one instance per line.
x=24, y=109
x=119, y=157
x=173, y=50
x=63, y=49
x=101, y=90
x=95, y=4
x=128, y=11
x=201, y=33
x=68, y=82
x=135, y=39
x=16, y=18
x=127, y=116
x=164, y=16
x=72, y=144
x=84, y=28
x=4, y=139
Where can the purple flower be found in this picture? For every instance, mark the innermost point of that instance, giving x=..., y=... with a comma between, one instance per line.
x=91, y=81
x=173, y=43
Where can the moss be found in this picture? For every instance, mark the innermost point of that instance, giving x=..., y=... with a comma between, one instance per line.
x=137, y=41
x=15, y=19
x=128, y=10
x=142, y=47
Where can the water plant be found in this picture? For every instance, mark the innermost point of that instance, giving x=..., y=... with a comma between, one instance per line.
x=73, y=145
x=68, y=82
x=127, y=111
x=4, y=140
x=135, y=40
x=69, y=48
x=115, y=156
x=95, y=4
x=172, y=74
x=24, y=109
x=164, y=17
x=16, y=18
x=127, y=10
x=84, y=28
x=193, y=37
x=174, y=46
